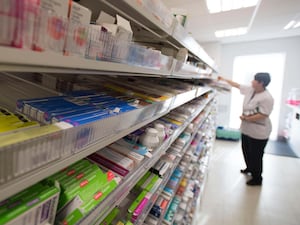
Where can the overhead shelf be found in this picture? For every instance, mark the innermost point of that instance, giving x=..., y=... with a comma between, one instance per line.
x=19, y=60
x=139, y=14
x=181, y=37
x=187, y=71
x=144, y=16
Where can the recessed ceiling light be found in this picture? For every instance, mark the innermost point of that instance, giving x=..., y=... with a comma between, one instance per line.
x=231, y=32
x=215, y=6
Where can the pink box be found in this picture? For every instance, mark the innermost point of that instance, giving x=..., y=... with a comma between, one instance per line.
x=17, y=22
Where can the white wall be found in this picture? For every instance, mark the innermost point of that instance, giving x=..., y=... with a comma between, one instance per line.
x=290, y=46
x=213, y=49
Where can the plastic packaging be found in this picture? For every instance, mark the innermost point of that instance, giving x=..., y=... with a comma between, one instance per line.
x=150, y=138
x=161, y=131
x=294, y=97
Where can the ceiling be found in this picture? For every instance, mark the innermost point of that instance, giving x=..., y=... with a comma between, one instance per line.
x=265, y=21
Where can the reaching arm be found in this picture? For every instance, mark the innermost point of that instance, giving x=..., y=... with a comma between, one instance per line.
x=230, y=82
x=253, y=118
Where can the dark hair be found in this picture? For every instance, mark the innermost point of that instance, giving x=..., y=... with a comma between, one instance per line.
x=263, y=78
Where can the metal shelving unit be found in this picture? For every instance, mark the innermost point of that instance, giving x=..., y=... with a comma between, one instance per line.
x=114, y=199
x=181, y=37
x=135, y=12
x=179, y=158
x=176, y=35
x=182, y=70
x=102, y=133
x=173, y=35
x=19, y=60
x=99, y=213
x=166, y=178
x=59, y=140
x=192, y=207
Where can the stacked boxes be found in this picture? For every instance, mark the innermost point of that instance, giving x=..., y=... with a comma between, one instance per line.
x=77, y=108
x=10, y=122
x=145, y=189
x=84, y=185
x=35, y=205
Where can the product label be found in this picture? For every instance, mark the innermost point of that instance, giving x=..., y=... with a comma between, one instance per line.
x=83, y=183
x=110, y=175
x=59, y=7
x=45, y=211
x=98, y=195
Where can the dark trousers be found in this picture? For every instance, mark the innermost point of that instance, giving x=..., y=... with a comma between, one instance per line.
x=253, y=151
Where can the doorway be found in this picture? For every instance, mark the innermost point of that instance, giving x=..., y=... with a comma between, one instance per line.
x=244, y=68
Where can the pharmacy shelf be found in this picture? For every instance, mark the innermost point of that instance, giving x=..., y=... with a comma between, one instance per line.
x=53, y=151
x=181, y=37
x=134, y=11
x=20, y=60
x=175, y=34
x=188, y=96
x=186, y=71
x=180, y=156
x=162, y=220
x=57, y=146
x=202, y=169
x=191, y=118
x=201, y=165
x=23, y=181
x=147, y=209
x=171, y=199
x=13, y=88
x=143, y=216
x=120, y=193
x=114, y=199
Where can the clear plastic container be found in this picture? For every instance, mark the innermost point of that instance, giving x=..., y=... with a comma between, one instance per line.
x=76, y=41
x=100, y=44
x=294, y=97
x=120, y=51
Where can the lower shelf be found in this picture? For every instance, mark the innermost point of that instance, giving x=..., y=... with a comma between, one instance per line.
x=25, y=160
x=119, y=194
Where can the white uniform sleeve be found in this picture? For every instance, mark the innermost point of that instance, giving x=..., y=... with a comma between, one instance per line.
x=245, y=89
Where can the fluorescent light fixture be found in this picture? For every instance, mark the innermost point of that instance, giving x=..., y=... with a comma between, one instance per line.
x=231, y=32
x=290, y=24
x=297, y=25
x=215, y=6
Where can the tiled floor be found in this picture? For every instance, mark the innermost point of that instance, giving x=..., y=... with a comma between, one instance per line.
x=227, y=200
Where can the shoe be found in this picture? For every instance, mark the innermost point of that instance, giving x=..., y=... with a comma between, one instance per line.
x=254, y=182
x=245, y=171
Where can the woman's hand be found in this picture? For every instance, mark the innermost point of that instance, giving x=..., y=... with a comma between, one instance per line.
x=242, y=117
x=230, y=82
